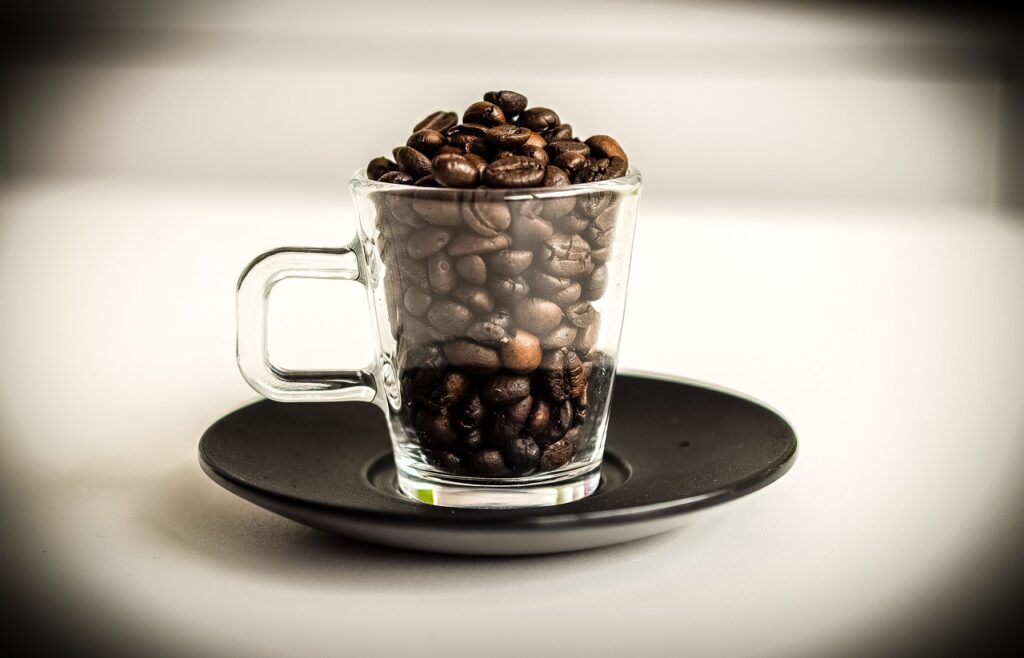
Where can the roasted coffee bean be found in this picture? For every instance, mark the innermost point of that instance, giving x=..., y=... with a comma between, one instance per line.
x=481, y=147
x=436, y=208
x=413, y=162
x=416, y=301
x=593, y=204
x=378, y=167
x=517, y=171
x=427, y=241
x=509, y=262
x=439, y=121
x=435, y=428
x=556, y=149
x=488, y=463
x=561, y=419
x=452, y=170
x=415, y=331
x=565, y=255
x=557, y=454
x=475, y=297
x=570, y=161
x=544, y=285
x=604, y=146
x=595, y=284
x=492, y=328
x=484, y=113
x=472, y=356
x=471, y=413
x=535, y=152
x=600, y=256
x=568, y=295
x=617, y=167
x=414, y=273
x=562, y=336
x=465, y=134
x=598, y=238
x=510, y=102
x=521, y=455
x=395, y=177
x=424, y=358
x=581, y=314
x=426, y=141
x=538, y=316
x=504, y=389
x=539, y=421
x=509, y=289
x=538, y=119
x=529, y=230
x=536, y=139
x=587, y=338
x=450, y=390
x=471, y=441
x=466, y=244
x=502, y=154
x=440, y=274
x=570, y=223
x=562, y=372
x=427, y=181
x=521, y=353
x=477, y=161
x=558, y=133
x=472, y=269
x=448, y=148
x=508, y=136
x=486, y=215
x=448, y=461
x=507, y=421
x=450, y=318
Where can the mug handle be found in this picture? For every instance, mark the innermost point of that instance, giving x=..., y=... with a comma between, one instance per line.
x=254, y=287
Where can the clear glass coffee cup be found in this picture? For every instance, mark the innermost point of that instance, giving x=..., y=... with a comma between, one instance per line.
x=497, y=314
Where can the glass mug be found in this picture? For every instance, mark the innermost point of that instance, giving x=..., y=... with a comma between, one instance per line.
x=497, y=314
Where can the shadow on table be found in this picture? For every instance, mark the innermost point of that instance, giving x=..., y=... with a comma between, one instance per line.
x=194, y=513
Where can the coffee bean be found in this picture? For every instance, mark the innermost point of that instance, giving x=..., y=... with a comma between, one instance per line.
x=427, y=181
x=471, y=413
x=568, y=295
x=491, y=328
x=427, y=241
x=593, y=203
x=488, y=463
x=539, y=421
x=605, y=147
x=536, y=139
x=472, y=269
x=416, y=301
x=528, y=231
x=503, y=389
x=502, y=154
x=556, y=455
x=452, y=170
x=435, y=428
x=475, y=297
x=484, y=113
x=477, y=161
x=546, y=285
x=587, y=338
x=486, y=215
x=426, y=141
x=413, y=162
x=517, y=171
x=598, y=238
x=556, y=149
x=521, y=353
x=465, y=134
x=506, y=422
x=448, y=461
x=395, y=177
x=466, y=244
x=439, y=121
x=509, y=262
x=450, y=318
x=537, y=153
x=558, y=133
x=509, y=289
x=536, y=315
x=581, y=314
x=522, y=455
x=570, y=161
x=415, y=331
x=472, y=441
x=595, y=284
x=378, y=167
x=600, y=256
x=562, y=374
x=452, y=387
x=538, y=119
x=562, y=336
x=571, y=223
x=561, y=419
x=436, y=208
x=617, y=167
x=510, y=102
x=565, y=255
x=448, y=149
x=472, y=356
x=440, y=274
x=508, y=136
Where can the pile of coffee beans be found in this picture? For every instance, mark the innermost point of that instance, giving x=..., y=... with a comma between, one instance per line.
x=500, y=143
x=492, y=296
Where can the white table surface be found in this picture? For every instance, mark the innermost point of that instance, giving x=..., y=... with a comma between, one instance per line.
x=893, y=339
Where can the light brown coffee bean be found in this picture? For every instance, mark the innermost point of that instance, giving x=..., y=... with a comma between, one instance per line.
x=427, y=241
x=562, y=336
x=472, y=268
x=466, y=244
x=441, y=274
x=476, y=298
x=538, y=316
x=521, y=353
x=417, y=302
x=509, y=262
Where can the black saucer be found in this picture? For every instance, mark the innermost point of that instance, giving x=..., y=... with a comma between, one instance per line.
x=673, y=448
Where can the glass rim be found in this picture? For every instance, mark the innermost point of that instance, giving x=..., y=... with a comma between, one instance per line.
x=631, y=180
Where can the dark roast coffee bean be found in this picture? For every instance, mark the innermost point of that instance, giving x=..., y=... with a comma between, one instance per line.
x=521, y=455
x=538, y=316
x=538, y=119
x=558, y=133
x=481, y=147
x=427, y=241
x=413, y=162
x=561, y=419
x=587, y=338
x=536, y=139
x=527, y=230
x=557, y=454
x=488, y=463
x=507, y=422
x=439, y=121
x=593, y=204
x=509, y=289
x=521, y=353
x=595, y=284
x=565, y=255
x=545, y=285
x=476, y=298
x=539, y=421
x=440, y=274
x=472, y=269
x=484, y=113
x=435, y=428
x=465, y=133
x=510, y=102
x=508, y=136
x=581, y=314
x=427, y=181
x=517, y=171
x=448, y=461
x=466, y=244
x=509, y=262
x=424, y=358
x=604, y=146
x=486, y=215
x=452, y=387
x=502, y=154
x=416, y=301
x=395, y=177
x=426, y=141
x=450, y=318
x=492, y=328
x=556, y=149
x=471, y=441
x=472, y=356
x=562, y=372
x=568, y=295
x=378, y=167
x=453, y=170
x=617, y=167
x=570, y=161
x=471, y=413
x=504, y=389
x=477, y=161
x=437, y=208
x=448, y=148
x=562, y=336
x=570, y=223
x=598, y=238
x=535, y=152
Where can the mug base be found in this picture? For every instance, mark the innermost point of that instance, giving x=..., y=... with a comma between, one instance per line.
x=497, y=496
